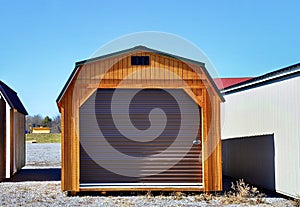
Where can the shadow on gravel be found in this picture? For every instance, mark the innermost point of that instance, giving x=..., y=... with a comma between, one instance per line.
x=50, y=174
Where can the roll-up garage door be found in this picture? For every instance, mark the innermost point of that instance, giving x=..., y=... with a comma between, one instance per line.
x=140, y=136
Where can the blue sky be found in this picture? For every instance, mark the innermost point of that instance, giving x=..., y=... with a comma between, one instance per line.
x=41, y=40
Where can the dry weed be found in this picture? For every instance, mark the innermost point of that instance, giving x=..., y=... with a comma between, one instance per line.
x=243, y=193
x=297, y=201
x=149, y=194
x=178, y=195
x=207, y=197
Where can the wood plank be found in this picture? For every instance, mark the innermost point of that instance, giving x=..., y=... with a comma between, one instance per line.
x=148, y=70
x=205, y=134
x=210, y=141
x=63, y=148
x=19, y=141
x=120, y=68
x=176, y=69
x=185, y=71
x=125, y=67
x=69, y=141
x=67, y=149
x=219, y=181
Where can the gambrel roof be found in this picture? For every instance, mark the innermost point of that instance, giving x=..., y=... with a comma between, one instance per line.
x=133, y=49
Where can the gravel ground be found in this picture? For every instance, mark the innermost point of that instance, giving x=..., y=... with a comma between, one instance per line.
x=38, y=184
x=49, y=194
x=43, y=155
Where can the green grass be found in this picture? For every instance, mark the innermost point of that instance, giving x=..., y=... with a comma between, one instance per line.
x=44, y=138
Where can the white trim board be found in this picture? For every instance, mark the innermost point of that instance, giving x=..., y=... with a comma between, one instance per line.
x=7, y=138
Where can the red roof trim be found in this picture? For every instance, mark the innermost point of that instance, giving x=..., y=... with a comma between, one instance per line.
x=227, y=82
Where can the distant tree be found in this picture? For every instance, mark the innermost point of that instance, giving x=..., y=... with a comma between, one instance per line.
x=56, y=124
x=38, y=121
x=29, y=124
x=33, y=121
x=46, y=122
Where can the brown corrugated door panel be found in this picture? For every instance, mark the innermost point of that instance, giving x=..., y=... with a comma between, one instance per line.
x=2, y=138
x=163, y=159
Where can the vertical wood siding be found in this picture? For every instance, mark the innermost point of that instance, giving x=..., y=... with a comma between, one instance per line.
x=19, y=141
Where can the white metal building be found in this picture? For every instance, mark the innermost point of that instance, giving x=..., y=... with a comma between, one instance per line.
x=261, y=131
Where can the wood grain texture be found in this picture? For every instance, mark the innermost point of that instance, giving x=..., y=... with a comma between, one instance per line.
x=163, y=72
x=19, y=141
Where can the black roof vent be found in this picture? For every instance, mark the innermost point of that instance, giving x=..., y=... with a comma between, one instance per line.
x=140, y=60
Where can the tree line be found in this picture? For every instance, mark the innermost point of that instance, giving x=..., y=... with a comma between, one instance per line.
x=53, y=123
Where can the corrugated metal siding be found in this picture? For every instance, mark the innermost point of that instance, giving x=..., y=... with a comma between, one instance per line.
x=268, y=109
x=150, y=163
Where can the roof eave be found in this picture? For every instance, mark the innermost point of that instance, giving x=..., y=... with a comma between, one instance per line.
x=67, y=84
x=277, y=74
x=10, y=103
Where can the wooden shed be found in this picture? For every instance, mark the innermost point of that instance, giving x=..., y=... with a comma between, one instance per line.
x=41, y=130
x=12, y=132
x=100, y=153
